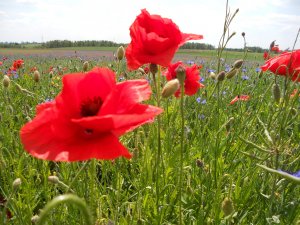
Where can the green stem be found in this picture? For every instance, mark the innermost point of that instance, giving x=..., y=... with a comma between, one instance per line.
x=159, y=155
x=181, y=151
x=67, y=198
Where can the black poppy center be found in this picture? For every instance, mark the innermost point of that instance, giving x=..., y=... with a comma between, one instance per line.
x=90, y=107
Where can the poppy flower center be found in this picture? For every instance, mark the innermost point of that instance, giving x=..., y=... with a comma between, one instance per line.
x=90, y=107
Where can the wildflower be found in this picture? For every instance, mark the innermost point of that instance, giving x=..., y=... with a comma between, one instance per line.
x=17, y=64
x=257, y=70
x=154, y=40
x=240, y=98
x=275, y=49
x=286, y=64
x=86, y=118
x=245, y=77
x=192, y=77
x=266, y=55
x=1, y=63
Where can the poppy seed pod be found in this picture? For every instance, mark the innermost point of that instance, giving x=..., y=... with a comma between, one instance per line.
x=170, y=88
x=238, y=63
x=85, y=66
x=231, y=73
x=221, y=76
x=227, y=206
x=36, y=76
x=6, y=81
x=276, y=92
x=120, y=53
x=180, y=74
x=153, y=68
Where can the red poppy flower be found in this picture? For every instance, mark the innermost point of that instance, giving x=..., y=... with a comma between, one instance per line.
x=295, y=92
x=192, y=78
x=87, y=117
x=17, y=64
x=1, y=63
x=154, y=40
x=266, y=56
x=278, y=65
x=33, y=69
x=240, y=98
x=275, y=49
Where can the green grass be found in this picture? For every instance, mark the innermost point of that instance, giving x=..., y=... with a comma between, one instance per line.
x=219, y=158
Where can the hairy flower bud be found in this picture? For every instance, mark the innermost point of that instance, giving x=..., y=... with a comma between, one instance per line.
x=17, y=182
x=36, y=76
x=85, y=66
x=221, y=76
x=153, y=68
x=231, y=73
x=243, y=34
x=170, y=88
x=120, y=53
x=276, y=92
x=53, y=179
x=212, y=75
x=180, y=74
x=238, y=63
x=227, y=206
x=6, y=81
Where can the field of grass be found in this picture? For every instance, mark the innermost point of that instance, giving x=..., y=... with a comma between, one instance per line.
x=221, y=181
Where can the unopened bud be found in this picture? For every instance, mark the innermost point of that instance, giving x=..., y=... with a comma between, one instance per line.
x=231, y=73
x=221, y=76
x=276, y=92
x=53, y=179
x=227, y=206
x=180, y=74
x=35, y=219
x=17, y=182
x=170, y=88
x=212, y=75
x=6, y=81
x=85, y=66
x=243, y=34
x=238, y=63
x=229, y=124
x=120, y=53
x=36, y=76
x=153, y=68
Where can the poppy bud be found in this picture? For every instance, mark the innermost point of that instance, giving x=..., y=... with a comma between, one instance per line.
x=231, y=73
x=53, y=179
x=238, y=63
x=221, y=76
x=17, y=182
x=35, y=219
x=180, y=74
x=141, y=70
x=212, y=75
x=120, y=53
x=153, y=68
x=229, y=124
x=227, y=206
x=243, y=34
x=36, y=76
x=170, y=88
x=85, y=66
x=276, y=92
x=6, y=81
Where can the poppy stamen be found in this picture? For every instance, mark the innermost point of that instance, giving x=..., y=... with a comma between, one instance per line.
x=90, y=107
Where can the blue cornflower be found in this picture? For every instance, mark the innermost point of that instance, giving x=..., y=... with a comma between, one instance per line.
x=199, y=100
x=201, y=80
x=244, y=70
x=211, y=70
x=297, y=174
x=201, y=116
x=257, y=70
x=245, y=77
x=224, y=92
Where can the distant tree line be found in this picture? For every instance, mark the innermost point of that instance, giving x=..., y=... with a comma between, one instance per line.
x=104, y=43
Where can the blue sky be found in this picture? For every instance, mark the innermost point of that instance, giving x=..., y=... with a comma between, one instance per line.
x=42, y=20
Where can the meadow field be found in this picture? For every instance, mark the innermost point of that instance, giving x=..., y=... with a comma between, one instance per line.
x=205, y=160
